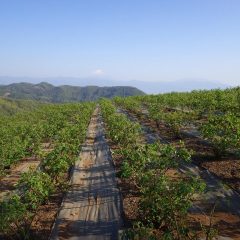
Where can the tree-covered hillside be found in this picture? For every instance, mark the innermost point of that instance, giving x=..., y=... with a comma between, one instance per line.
x=49, y=93
x=11, y=106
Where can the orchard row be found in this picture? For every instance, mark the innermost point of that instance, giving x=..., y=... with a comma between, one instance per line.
x=164, y=200
x=214, y=114
x=64, y=128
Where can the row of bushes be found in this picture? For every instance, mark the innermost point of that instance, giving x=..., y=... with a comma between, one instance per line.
x=164, y=199
x=36, y=186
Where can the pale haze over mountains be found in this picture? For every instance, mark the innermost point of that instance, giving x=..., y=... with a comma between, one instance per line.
x=156, y=46
x=179, y=45
x=147, y=87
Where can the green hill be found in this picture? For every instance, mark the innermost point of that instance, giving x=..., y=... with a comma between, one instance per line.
x=11, y=106
x=49, y=93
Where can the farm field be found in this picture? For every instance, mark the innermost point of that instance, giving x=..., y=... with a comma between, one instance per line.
x=161, y=166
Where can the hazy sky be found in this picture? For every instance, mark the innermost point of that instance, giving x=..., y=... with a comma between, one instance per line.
x=150, y=40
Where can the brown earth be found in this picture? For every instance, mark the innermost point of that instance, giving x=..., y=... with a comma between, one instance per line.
x=227, y=223
x=227, y=168
x=45, y=216
x=8, y=182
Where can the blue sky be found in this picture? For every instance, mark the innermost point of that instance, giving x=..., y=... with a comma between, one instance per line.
x=148, y=40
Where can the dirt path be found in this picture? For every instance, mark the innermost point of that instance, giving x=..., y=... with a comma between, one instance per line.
x=92, y=208
x=7, y=183
x=227, y=201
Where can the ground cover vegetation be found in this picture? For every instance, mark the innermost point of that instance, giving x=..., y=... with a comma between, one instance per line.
x=63, y=128
x=164, y=202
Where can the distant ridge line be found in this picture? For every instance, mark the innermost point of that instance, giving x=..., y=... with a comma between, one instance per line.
x=47, y=92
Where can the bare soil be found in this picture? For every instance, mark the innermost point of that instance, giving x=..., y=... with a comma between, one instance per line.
x=129, y=193
x=12, y=176
x=45, y=216
x=227, y=169
x=8, y=182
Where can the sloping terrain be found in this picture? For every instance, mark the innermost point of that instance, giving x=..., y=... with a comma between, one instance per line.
x=49, y=93
x=11, y=106
x=8, y=183
x=92, y=208
x=226, y=201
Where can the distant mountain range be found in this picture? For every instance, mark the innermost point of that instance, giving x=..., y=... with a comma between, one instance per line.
x=48, y=93
x=147, y=87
